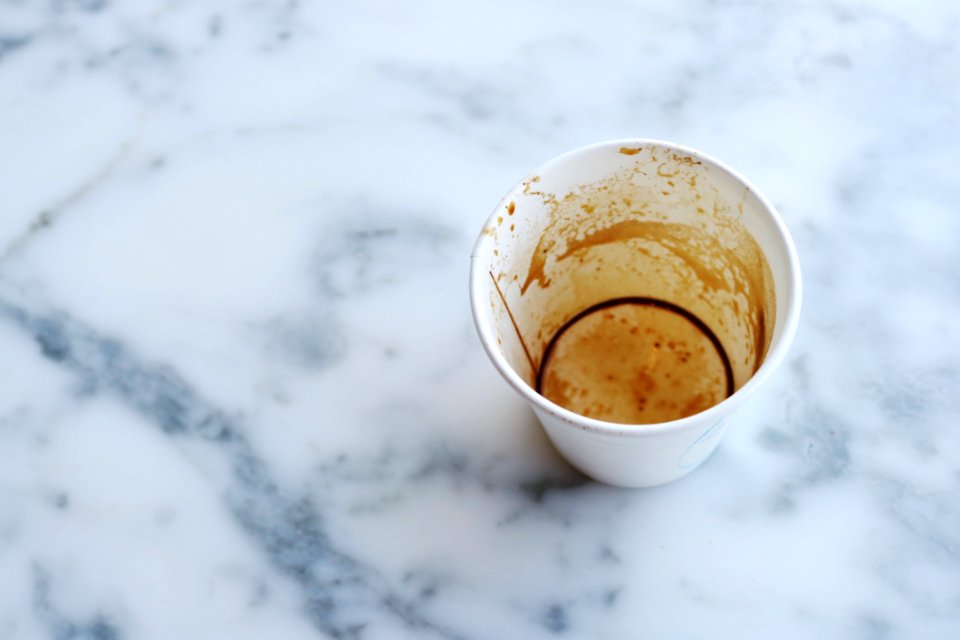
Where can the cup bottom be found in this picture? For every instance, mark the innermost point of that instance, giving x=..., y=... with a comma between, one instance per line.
x=635, y=361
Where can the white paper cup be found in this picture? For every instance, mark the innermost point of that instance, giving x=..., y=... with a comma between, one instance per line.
x=652, y=223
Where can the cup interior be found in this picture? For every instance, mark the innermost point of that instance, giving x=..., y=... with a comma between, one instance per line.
x=634, y=220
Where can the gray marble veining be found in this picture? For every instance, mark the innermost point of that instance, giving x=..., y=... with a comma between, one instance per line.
x=240, y=391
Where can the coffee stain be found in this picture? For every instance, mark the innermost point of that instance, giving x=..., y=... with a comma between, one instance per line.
x=529, y=183
x=538, y=262
x=665, y=174
x=675, y=238
x=513, y=320
x=759, y=336
x=684, y=159
x=511, y=208
x=734, y=268
x=600, y=363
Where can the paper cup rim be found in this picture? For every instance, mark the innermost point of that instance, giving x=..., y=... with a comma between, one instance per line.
x=775, y=354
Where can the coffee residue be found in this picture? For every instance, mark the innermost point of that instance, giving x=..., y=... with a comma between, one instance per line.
x=537, y=264
x=632, y=209
x=635, y=361
x=676, y=238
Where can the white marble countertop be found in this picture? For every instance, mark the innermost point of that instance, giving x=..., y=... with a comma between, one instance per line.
x=241, y=395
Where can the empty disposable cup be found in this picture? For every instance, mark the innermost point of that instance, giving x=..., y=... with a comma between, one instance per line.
x=636, y=293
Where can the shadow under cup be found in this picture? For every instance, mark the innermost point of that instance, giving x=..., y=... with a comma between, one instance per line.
x=633, y=284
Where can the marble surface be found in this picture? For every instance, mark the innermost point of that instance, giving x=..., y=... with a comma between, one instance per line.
x=241, y=394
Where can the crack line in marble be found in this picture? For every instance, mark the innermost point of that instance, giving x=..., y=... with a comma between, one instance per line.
x=48, y=216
